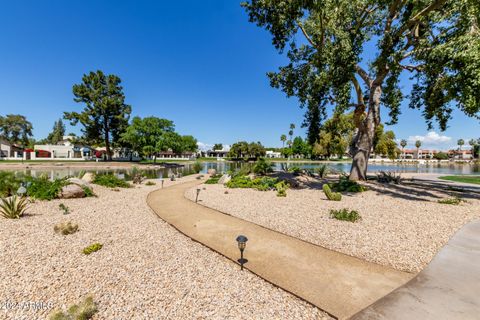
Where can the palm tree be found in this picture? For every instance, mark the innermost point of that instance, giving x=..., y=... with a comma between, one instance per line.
x=418, y=144
x=290, y=133
x=460, y=143
x=403, y=144
x=283, y=138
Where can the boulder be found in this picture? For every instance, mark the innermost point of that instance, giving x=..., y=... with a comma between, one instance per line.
x=224, y=179
x=212, y=172
x=79, y=182
x=72, y=191
x=88, y=177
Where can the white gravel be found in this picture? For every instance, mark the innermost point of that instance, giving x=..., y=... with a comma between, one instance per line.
x=145, y=270
x=401, y=226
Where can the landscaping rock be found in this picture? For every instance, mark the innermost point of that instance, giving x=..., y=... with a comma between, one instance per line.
x=88, y=177
x=224, y=179
x=72, y=191
x=79, y=182
x=212, y=172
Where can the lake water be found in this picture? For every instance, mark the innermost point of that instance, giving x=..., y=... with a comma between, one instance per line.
x=226, y=166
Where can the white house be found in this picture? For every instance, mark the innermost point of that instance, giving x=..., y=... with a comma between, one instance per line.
x=273, y=154
x=65, y=149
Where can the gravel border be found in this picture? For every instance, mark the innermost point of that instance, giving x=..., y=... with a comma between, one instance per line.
x=145, y=270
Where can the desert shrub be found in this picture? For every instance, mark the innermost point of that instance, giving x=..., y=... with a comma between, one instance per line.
x=264, y=183
x=199, y=177
x=389, y=177
x=92, y=248
x=262, y=167
x=65, y=228
x=333, y=196
x=453, y=201
x=110, y=181
x=322, y=171
x=9, y=184
x=345, y=185
x=64, y=208
x=13, y=207
x=295, y=170
x=213, y=179
x=136, y=175
x=197, y=166
x=345, y=215
x=150, y=183
x=281, y=188
x=83, y=311
x=88, y=191
x=44, y=189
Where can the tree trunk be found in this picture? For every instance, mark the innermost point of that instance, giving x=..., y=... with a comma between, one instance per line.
x=107, y=146
x=363, y=141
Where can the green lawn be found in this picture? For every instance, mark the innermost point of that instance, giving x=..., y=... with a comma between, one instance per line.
x=464, y=179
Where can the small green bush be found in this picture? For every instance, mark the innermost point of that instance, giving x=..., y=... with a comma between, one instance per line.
x=345, y=185
x=110, y=181
x=65, y=228
x=13, y=207
x=213, y=179
x=150, y=183
x=197, y=166
x=261, y=184
x=295, y=170
x=262, y=167
x=454, y=201
x=322, y=171
x=88, y=191
x=333, y=196
x=345, y=215
x=9, y=184
x=281, y=188
x=44, y=189
x=83, y=311
x=64, y=208
x=92, y=248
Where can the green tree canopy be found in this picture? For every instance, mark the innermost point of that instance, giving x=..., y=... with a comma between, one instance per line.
x=16, y=129
x=245, y=150
x=335, y=136
x=217, y=146
x=384, y=143
x=301, y=147
x=436, y=41
x=105, y=115
x=143, y=134
x=57, y=133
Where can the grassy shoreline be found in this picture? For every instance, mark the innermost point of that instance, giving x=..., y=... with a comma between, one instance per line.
x=472, y=179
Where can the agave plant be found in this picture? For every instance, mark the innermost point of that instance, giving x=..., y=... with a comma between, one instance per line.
x=13, y=208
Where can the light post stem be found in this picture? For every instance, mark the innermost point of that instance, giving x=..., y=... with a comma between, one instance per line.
x=241, y=259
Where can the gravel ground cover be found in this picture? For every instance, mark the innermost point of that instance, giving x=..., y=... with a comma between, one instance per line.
x=145, y=270
x=402, y=226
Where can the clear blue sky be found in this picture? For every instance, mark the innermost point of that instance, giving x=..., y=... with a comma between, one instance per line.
x=198, y=63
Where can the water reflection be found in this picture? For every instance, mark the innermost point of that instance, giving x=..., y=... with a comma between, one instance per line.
x=225, y=166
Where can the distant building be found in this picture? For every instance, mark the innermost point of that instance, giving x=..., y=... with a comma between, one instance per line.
x=64, y=149
x=170, y=155
x=460, y=154
x=273, y=154
x=10, y=151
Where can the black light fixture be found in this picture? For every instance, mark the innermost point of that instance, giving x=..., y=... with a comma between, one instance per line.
x=162, y=182
x=198, y=192
x=242, y=243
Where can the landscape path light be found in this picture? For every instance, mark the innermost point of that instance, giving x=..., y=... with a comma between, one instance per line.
x=242, y=243
x=198, y=192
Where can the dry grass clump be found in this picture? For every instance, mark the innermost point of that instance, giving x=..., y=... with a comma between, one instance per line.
x=83, y=311
x=454, y=201
x=65, y=228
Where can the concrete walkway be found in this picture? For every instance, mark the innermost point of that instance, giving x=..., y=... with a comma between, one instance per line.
x=336, y=283
x=448, y=288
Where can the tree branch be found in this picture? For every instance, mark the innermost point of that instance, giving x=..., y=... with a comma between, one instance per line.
x=364, y=75
x=306, y=35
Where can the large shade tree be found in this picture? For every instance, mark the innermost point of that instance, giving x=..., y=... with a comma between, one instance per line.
x=105, y=115
x=143, y=134
x=16, y=129
x=437, y=41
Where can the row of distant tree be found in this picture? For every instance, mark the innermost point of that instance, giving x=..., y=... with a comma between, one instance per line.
x=105, y=121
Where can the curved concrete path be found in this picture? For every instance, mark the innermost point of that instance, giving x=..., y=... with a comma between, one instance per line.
x=336, y=283
x=448, y=288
